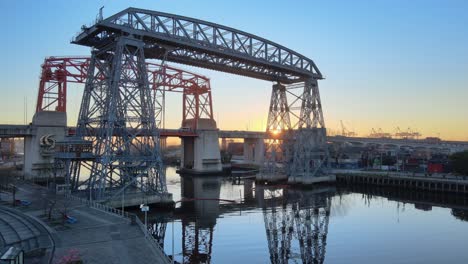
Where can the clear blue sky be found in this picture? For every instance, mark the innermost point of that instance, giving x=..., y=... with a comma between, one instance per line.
x=387, y=63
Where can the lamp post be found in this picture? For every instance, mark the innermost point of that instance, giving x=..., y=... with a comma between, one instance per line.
x=145, y=208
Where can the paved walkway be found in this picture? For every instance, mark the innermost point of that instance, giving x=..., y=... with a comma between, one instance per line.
x=97, y=236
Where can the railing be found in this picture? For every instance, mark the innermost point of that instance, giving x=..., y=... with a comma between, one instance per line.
x=7, y=187
x=126, y=215
x=99, y=206
x=152, y=240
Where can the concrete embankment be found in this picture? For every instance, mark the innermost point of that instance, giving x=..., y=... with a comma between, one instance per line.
x=99, y=234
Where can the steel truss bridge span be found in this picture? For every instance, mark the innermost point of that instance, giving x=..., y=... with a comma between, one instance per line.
x=204, y=44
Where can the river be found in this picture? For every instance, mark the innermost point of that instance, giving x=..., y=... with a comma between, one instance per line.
x=222, y=220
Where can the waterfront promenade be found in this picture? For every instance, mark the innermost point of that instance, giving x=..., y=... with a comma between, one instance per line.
x=96, y=237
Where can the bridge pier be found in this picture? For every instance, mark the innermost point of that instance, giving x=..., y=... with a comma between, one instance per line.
x=47, y=128
x=254, y=150
x=200, y=155
x=310, y=158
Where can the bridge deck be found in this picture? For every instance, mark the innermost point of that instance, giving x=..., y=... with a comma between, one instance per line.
x=8, y=131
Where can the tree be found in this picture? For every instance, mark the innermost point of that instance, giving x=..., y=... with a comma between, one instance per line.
x=49, y=201
x=459, y=162
x=460, y=214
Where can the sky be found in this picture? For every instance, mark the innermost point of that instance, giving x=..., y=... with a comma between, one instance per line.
x=387, y=63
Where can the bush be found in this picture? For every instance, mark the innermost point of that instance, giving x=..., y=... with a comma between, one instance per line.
x=459, y=162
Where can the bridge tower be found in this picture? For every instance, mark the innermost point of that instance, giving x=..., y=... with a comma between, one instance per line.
x=200, y=154
x=278, y=125
x=296, y=147
x=204, y=44
x=310, y=154
x=117, y=114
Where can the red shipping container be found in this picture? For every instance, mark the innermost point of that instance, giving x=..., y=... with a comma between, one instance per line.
x=435, y=168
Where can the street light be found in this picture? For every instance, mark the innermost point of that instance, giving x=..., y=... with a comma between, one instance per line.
x=145, y=208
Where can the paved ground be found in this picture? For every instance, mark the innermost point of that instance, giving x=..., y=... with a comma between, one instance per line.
x=98, y=237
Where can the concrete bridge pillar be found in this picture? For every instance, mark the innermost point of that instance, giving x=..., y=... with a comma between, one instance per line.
x=47, y=128
x=200, y=155
x=254, y=150
x=163, y=143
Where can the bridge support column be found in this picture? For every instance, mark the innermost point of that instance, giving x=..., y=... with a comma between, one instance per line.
x=48, y=127
x=310, y=157
x=309, y=148
x=117, y=114
x=254, y=150
x=278, y=123
x=201, y=155
x=163, y=143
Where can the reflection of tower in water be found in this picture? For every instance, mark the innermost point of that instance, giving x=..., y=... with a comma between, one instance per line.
x=296, y=218
x=201, y=196
x=158, y=230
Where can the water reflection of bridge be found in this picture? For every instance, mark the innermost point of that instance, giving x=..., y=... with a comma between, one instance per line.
x=295, y=221
x=292, y=217
x=303, y=219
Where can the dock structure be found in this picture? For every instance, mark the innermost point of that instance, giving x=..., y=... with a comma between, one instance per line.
x=436, y=183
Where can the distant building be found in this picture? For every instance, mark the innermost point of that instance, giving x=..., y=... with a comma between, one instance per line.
x=7, y=148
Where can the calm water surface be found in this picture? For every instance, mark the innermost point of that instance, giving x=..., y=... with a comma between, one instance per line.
x=229, y=222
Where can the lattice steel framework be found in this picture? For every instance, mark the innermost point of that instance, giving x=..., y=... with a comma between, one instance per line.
x=196, y=89
x=117, y=105
x=278, y=125
x=204, y=44
x=308, y=143
x=209, y=45
x=297, y=228
x=297, y=130
x=197, y=100
x=56, y=73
